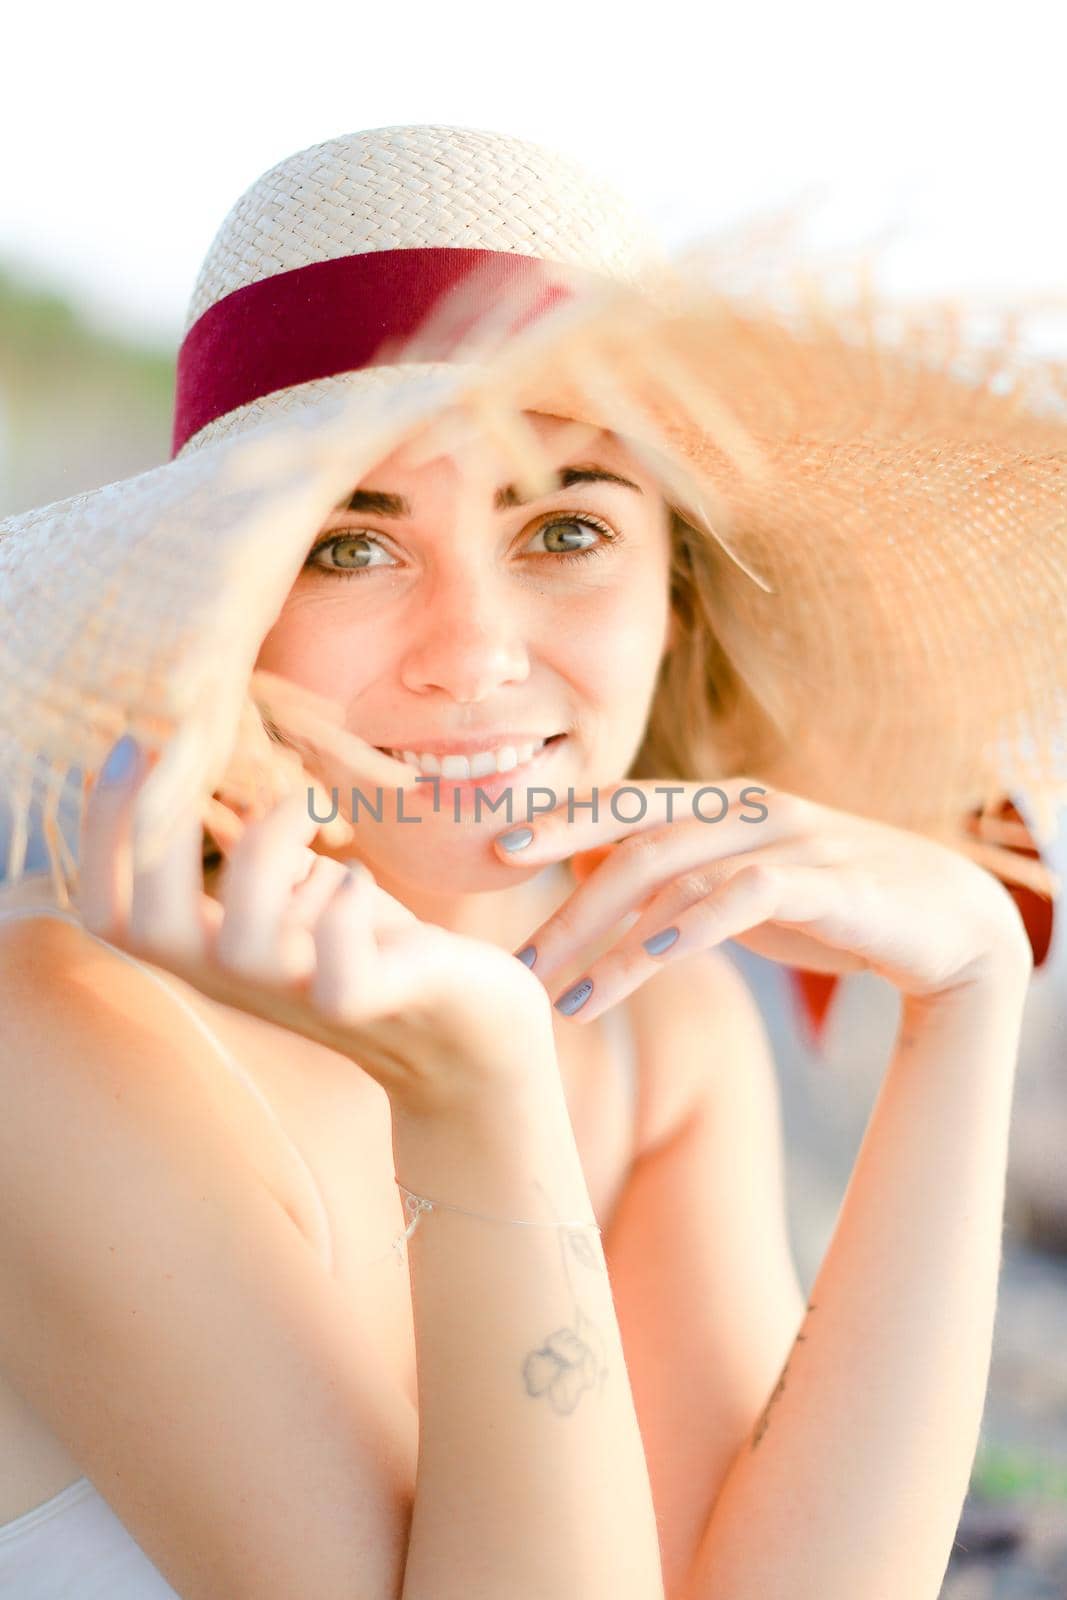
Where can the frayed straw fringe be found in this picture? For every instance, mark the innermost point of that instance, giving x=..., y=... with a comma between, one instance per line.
x=903, y=377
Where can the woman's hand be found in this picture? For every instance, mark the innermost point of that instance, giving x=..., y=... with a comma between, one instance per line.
x=794, y=880
x=303, y=941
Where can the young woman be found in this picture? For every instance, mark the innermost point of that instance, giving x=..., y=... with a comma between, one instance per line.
x=225, y=1096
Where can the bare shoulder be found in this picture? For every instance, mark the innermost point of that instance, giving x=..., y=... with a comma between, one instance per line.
x=58, y=979
x=696, y=1019
x=161, y=1313
x=45, y=959
x=77, y=1009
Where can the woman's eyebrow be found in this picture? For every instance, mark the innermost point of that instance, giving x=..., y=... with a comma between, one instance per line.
x=395, y=505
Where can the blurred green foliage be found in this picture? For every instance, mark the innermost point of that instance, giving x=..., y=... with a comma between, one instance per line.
x=1003, y=1473
x=41, y=329
x=79, y=405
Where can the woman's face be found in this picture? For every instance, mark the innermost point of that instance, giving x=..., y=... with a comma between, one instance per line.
x=447, y=617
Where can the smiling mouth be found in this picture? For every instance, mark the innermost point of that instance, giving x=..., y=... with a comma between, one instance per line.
x=459, y=773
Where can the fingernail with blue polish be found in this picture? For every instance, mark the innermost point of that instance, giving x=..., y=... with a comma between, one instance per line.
x=527, y=956
x=661, y=941
x=575, y=998
x=122, y=758
x=516, y=839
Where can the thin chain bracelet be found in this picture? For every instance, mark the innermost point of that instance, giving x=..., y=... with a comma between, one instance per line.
x=416, y=1204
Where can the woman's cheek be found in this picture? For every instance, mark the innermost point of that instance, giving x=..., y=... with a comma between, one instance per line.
x=622, y=645
x=306, y=647
x=610, y=657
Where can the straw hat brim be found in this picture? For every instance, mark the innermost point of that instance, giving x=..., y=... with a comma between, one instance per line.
x=883, y=535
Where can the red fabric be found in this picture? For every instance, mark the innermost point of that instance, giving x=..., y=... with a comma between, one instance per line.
x=331, y=317
x=1038, y=914
x=814, y=991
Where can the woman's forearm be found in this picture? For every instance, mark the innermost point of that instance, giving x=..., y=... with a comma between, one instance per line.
x=851, y=1483
x=531, y=1477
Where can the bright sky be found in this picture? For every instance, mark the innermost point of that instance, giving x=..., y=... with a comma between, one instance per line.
x=126, y=141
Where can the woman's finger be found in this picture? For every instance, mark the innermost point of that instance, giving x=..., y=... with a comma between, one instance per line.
x=346, y=980
x=753, y=893
x=325, y=875
x=738, y=812
x=255, y=889
x=684, y=857
x=105, y=870
x=384, y=992
x=223, y=823
x=168, y=904
x=370, y=966
x=762, y=890
x=310, y=897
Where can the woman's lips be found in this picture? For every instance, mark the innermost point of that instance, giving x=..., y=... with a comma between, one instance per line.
x=492, y=785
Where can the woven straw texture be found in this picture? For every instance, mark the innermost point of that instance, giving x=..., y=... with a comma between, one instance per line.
x=874, y=519
x=403, y=188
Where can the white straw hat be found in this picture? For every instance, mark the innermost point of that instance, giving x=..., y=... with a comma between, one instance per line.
x=871, y=528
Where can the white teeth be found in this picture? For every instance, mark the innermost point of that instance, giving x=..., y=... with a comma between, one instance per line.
x=479, y=765
x=425, y=763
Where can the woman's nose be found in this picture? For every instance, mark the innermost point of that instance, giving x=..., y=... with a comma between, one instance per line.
x=469, y=639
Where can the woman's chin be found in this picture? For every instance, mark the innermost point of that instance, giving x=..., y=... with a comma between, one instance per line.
x=462, y=864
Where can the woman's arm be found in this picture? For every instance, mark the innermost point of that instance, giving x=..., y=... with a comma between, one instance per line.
x=531, y=1477
x=163, y=1314
x=858, y=1466
x=852, y=1479
x=698, y=1246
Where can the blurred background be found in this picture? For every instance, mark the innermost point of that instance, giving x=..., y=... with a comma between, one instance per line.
x=933, y=131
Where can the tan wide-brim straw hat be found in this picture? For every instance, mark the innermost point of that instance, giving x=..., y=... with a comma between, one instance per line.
x=872, y=506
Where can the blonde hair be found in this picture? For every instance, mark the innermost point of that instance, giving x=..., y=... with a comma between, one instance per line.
x=701, y=702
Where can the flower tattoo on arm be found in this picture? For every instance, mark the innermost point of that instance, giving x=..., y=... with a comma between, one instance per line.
x=571, y=1360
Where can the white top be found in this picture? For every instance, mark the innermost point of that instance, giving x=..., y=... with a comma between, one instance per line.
x=73, y=1546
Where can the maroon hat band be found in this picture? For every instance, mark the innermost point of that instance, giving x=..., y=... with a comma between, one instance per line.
x=331, y=317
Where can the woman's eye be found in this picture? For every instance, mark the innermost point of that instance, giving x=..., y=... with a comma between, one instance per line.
x=575, y=536
x=346, y=554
